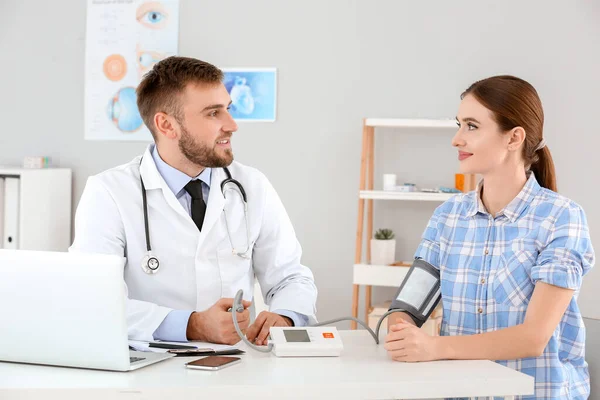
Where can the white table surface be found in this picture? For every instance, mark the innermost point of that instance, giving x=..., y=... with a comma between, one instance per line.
x=363, y=371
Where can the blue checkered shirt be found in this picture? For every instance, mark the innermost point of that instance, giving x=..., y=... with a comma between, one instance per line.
x=489, y=267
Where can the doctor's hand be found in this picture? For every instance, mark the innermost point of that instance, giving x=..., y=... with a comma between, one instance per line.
x=408, y=343
x=215, y=325
x=259, y=330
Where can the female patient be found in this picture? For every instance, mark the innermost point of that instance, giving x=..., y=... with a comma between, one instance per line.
x=511, y=254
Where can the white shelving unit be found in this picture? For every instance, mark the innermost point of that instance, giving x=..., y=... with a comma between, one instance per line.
x=407, y=196
x=379, y=275
x=383, y=275
x=410, y=123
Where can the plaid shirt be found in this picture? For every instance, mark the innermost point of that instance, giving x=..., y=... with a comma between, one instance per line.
x=489, y=267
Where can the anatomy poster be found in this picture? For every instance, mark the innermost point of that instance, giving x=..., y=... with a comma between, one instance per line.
x=253, y=93
x=124, y=39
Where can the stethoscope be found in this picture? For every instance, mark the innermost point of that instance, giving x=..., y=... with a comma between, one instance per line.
x=151, y=264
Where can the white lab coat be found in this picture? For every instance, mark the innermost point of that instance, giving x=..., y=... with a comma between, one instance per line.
x=196, y=268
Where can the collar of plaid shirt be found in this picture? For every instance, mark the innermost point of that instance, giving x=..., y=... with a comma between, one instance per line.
x=515, y=208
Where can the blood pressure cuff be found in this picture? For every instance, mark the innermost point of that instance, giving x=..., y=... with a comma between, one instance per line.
x=419, y=293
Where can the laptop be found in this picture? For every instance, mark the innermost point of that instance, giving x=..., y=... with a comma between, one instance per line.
x=66, y=309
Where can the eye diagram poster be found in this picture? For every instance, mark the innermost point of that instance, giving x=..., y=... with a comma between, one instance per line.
x=253, y=93
x=124, y=39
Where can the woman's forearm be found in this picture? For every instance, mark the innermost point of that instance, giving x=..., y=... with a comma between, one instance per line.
x=511, y=343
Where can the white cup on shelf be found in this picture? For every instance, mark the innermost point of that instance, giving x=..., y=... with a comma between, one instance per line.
x=389, y=181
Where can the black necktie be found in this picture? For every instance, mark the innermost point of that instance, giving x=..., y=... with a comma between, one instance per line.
x=194, y=188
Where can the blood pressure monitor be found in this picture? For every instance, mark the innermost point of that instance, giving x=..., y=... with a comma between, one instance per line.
x=313, y=341
x=418, y=295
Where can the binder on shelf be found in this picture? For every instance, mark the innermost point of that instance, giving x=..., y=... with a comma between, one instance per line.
x=10, y=238
x=1, y=212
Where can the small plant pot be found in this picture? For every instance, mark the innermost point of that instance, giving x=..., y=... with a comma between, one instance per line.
x=383, y=252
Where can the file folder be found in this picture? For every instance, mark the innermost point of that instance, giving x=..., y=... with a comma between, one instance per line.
x=1, y=212
x=10, y=238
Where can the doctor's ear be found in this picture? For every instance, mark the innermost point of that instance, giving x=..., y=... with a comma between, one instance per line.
x=165, y=125
x=516, y=137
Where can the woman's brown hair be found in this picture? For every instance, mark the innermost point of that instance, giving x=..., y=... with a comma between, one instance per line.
x=514, y=102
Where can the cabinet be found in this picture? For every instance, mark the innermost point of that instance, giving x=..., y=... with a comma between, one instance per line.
x=35, y=208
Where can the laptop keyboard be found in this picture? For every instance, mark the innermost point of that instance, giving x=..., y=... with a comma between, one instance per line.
x=135, y=359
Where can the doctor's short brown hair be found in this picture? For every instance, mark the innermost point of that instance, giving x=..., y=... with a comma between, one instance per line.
x=161, y=87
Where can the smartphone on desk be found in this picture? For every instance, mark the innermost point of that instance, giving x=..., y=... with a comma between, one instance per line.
x=213, y=363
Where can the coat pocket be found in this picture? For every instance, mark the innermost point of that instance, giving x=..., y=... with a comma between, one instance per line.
x=236, y=272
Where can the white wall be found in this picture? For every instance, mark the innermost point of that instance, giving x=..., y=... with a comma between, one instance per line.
x=592, y=348
x=338, y=61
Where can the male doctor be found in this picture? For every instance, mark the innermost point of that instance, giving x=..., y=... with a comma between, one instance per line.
x=201, y=244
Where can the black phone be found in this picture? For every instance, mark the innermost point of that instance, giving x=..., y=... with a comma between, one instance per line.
x=205, y=352
x=213, y=363
x=194, y=351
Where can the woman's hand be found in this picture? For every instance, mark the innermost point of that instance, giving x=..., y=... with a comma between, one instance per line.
x=406, y=342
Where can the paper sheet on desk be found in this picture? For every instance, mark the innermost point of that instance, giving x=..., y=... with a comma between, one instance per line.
x=144, y=346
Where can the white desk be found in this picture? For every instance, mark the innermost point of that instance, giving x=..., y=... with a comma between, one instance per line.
x=364, y=371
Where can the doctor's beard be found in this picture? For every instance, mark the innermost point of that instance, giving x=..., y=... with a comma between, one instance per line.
x=203, y=154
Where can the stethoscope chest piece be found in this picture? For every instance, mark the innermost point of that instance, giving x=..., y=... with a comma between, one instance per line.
x=150, y=263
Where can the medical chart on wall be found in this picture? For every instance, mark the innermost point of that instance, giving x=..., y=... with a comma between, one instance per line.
x=253, y=93
x=124, y=39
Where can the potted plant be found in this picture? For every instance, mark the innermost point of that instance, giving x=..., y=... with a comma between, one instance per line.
x=383, y=247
